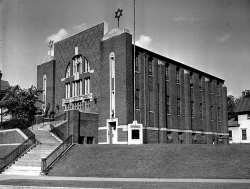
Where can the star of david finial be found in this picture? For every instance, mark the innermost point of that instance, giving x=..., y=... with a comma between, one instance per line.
x=51, y=43
x=118, y=14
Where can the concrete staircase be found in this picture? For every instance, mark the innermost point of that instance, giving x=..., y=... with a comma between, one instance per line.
x=30, y=163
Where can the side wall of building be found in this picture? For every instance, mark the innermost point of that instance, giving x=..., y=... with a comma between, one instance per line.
x=179, y=104
x=48, y=70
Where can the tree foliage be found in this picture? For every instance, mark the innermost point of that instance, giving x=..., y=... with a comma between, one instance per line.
x=231, y=106
x=21, y=103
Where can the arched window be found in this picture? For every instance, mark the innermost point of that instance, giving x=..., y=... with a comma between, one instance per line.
x=86, y=65
x=67, y=75
x=44, y=90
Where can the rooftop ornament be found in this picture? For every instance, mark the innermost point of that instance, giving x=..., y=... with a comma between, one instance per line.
x=118, y=14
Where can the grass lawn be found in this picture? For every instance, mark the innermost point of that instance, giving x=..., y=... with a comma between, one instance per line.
x=155, y=161
x=5, y=150
x=124, y=185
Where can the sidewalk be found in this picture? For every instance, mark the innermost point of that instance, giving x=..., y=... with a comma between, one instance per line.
x=101, y=179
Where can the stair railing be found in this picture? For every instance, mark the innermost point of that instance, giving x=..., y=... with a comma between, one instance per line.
x=18, y=151
x=56, y=154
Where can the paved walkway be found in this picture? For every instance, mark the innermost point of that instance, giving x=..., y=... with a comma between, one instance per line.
x=95, y=179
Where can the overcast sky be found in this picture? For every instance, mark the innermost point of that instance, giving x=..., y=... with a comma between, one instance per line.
x=210, y=35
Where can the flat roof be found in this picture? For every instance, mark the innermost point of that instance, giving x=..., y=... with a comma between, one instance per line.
x=168, y=60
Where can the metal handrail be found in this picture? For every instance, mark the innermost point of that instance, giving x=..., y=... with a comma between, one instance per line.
x=56, y=154
x=12, y=156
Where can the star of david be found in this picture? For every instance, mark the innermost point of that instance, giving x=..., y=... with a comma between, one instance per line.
x=118, y=14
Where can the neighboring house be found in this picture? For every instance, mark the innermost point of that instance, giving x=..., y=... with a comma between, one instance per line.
x=239, y=127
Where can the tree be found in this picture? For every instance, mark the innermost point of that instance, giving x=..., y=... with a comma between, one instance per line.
x=231, y=106
x=20, y=103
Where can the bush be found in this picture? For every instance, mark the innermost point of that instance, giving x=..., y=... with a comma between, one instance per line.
x=15, y=124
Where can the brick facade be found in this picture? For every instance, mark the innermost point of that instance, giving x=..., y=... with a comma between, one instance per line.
x=174, y=102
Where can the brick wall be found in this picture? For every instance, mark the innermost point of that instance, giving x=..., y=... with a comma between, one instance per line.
x=47, y=69
x=88, y=43
x=121, y=46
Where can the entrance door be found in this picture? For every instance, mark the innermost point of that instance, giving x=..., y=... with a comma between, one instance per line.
x=113, y=132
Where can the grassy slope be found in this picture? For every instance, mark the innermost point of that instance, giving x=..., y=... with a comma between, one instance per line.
x=5, y=150
x=156, y=161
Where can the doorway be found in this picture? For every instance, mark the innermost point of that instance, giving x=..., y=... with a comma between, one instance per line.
x=112, y=132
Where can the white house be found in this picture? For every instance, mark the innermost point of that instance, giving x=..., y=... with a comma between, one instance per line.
x=239, y=127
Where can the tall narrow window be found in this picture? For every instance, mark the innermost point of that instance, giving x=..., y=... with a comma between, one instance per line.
x=150, y=66
x=77, y=64
x=87, y=85
x=168, y=105
x=86, y=65
x=67, y=92
x=137, y=66
x=192, y=109
x=166, y=72
x=218, y=89
x=112, y=84
x=191, y=79
x=177, y=75
x=178, y=107
x=211, y=86
x=44, y=88
x=212, y=113
x=218, y=113
x=137, y=99
x=244, y=134
x=200, y=83
x=68, y=72
x=201, y=111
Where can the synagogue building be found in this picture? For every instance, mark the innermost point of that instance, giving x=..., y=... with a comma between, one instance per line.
x=110, y=97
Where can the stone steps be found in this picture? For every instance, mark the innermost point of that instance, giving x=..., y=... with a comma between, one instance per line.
x=30, y=163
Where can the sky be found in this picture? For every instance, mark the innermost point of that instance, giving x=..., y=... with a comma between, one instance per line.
x=210, y=35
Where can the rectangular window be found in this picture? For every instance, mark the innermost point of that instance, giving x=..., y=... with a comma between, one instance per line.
x=177, y=76
x=192, y=109
x=151, y=101
x=218, y=89
x=180, y=138
x=200, y=83
x=86, y=65
x=150, y=67
x=178, y=107
x=137, y=66
x=90, y=140
x=87, y=85
x=218, y=113
x=166, y=71
x=77, y=88
x=135, y=134
x=87, y=105
x=168, y=105
x=202, y=138
x=137, y=99
x=67, y=93
x=191, y=80
x=201, y=111
x=212, y=113
x=230, y=135
x=244, y=134
x=211, y=87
